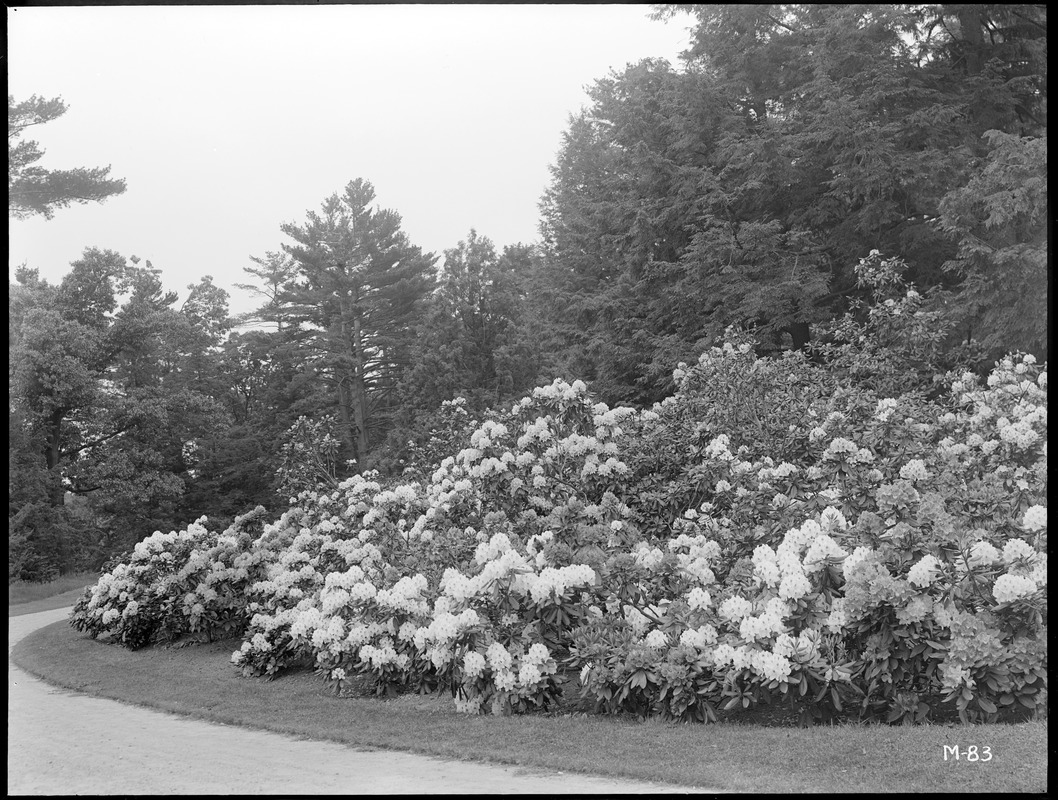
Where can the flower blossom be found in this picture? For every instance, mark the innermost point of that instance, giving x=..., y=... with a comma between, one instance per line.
x=657, y=640
x=794, y=586
x=1035, y=518
x=698, y=598
x=735, y=608
x=473, y=664
x=914, y=470
x=1017, y=549
x=1013, y=587
x=924, y=571
x=983, y=553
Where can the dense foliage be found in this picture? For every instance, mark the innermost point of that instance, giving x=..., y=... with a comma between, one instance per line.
x=775, y=531
x=796, y=139
x=859, y=184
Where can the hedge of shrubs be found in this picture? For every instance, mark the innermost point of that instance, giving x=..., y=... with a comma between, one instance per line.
x=773, y=531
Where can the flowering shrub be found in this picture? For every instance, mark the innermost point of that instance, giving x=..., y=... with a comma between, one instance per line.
x=173, y=584
x=806, y=539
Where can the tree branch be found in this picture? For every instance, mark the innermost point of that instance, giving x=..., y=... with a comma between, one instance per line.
x=66, y=453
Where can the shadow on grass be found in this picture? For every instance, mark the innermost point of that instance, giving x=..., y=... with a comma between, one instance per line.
x=199, y=681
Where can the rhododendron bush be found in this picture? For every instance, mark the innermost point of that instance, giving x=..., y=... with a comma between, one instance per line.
x=835, y=548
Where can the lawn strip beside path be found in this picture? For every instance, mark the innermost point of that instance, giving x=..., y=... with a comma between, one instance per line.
x=63, y=742
x=199, y=681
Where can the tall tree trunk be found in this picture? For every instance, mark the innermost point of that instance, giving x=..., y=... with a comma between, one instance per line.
x=52, y=455
x=973, y=38
x=799, y=333
x=349, y=438
x=347, y=380
x=358, y=386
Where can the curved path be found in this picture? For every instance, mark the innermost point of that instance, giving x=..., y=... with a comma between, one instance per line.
x=62, y=742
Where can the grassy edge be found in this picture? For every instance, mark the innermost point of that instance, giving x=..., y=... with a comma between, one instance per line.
x=23, y=592
x=304, y=685
x=728, y=757
x=67, y=598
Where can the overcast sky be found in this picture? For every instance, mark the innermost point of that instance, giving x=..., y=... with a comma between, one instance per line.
x=227, y=121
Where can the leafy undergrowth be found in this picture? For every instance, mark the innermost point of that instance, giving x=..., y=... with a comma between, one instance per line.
x=752, y=752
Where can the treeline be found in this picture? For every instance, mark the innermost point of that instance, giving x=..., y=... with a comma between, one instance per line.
x=741, y=189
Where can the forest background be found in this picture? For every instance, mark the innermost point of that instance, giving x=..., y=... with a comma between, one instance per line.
x=741, y=188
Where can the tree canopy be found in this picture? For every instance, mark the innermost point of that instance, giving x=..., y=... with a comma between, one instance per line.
x=33, y=189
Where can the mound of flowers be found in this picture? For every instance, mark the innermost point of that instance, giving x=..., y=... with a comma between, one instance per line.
x=174, y=584
x=854, y=529
x=839, y=548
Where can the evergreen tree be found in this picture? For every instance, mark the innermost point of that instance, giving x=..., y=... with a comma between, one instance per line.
x=32, y=189
x=467, y=343
x=349, y=304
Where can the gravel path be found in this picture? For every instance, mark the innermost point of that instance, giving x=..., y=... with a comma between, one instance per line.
x=62, y=742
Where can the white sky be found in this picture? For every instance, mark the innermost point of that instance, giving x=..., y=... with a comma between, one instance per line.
x=226, y=121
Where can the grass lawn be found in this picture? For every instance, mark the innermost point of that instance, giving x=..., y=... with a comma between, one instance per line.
x=25, y=592
x=199, y=681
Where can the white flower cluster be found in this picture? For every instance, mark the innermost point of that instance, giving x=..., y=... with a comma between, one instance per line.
x=362, y=592
x=657, y=640
x=784, y=470
x=838, y=617
x=1035, y=518
x=473, y=664
x=820, y=550
x=885, y=408
x=305, y=622
x=436, y=638
x=378, y=657
x=499, y=658
x=766, y=566
x=553, y=582
x=983, y=554
x=857, y=556
x=559, y=390
x=924, y=571
x=914, y=470
x=405, y=596
x=535, y=544
x=1039, y=573
x=608, y=421
x=699, y=599
x=529, y=675
x=539, y=430
x=718, y=448
x=700, y=638
x=954, y=676
x=1013, y=587
x=767, y=624
x=735, y=608
x=838, y=447
x=1016, y=550
x=332, y=599
x=637, y=620
x=832, y=520
x=611, y=466
x=767, y=664
x=344, y=580
x=1020, y=434
x=646, y=556
x=499, y=544
x=330, y=633
x=577, y=445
